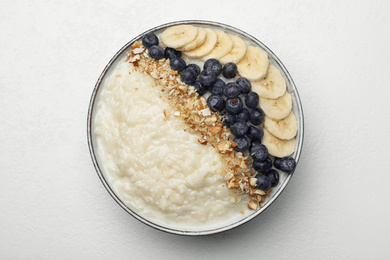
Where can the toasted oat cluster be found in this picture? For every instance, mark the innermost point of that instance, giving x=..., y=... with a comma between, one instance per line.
x=193, y=110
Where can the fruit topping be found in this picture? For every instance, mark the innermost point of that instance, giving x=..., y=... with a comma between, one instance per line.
x=188, y=76
x=237, y=52
x=263, y=182
x=222, y=47
x=273, y=176
x=242, y=144
x=177, y=64
x=156, y=52
x=277, y=108
x=278, y=147
x=206, y=47
x=213, y=65
x=286, y=164
x=194, y=67
x=261, y=153
x=149, y=40
x=232, y=90
x=239, y=128
x=229, y=71
x=256, y=116
x=245, y=85
x=255, y=144
x=234, y=106
x=285, y=128
x=216, y=103
x=255, y=133
x=252, y=100
x=229, y=119
x=179, y=35
x=243, y=115
x=262, y=166
x=272, y=86
x=199, y=40
x=254, y=64
x=218, y=87
x=200, y=89
x=207, y=78
x=170, y=53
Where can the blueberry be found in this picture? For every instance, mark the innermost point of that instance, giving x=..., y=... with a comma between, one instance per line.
x=156, y=52
x=177, y=64
x=213, y=65
x=243, y=115
x=262, y=166
x=188, y=76
x=234, y=106
x=229, y=119
x=199, y=87
x=194, y=67
x=256, y=116
x=171, y=53
x=261, y=153
x=232, y=90
x=207, y=78
x=245, y=85
x=239, y=128
x=242, y=144
x=252, y=100
x=273, y=176
x=149, y=40
x=216, y=103
x=218, y=87
x=255, y=145
x=277, y=163
x=286, y=164
x=255, y=132
x=229, y=70
x=263, y=182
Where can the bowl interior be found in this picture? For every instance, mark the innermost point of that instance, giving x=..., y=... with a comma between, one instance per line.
x=284, y=178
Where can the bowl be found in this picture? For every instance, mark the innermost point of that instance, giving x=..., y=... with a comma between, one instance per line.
x=284, y=178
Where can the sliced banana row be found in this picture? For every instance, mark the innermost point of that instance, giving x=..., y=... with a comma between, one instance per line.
x=280, y=124
x=196, y=42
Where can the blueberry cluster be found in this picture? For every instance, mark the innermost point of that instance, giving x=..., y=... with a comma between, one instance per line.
x=234, y=101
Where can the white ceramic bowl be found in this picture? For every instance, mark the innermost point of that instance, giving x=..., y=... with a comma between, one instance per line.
x=284, y=178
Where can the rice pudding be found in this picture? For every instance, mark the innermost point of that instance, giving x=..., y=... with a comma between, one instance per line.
x=159, y=170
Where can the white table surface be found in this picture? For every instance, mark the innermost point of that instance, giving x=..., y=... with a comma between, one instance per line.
x=55, y=207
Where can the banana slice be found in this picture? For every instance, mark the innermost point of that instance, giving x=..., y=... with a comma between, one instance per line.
x=254, y=64
x=285, y=128
x=199, y=40
x=238, y=51
x=179, y=35
x=277, y=108
x=277, y=147
x=206, y=47
x=272, y=86
x=223, y=46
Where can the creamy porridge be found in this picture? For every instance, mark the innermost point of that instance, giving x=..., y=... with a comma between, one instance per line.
x=156, y=168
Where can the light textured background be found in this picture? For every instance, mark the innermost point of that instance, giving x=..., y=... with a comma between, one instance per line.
x=53, y=205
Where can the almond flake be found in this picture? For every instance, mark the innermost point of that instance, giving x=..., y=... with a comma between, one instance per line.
x=205, y=112
x=233, y=144
x=214, y=129
x=252, y=205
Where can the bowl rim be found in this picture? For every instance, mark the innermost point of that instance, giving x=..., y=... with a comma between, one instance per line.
x=300, y=134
